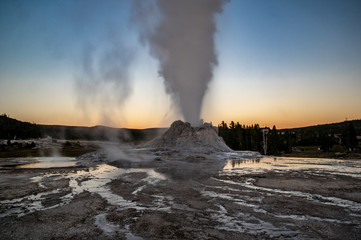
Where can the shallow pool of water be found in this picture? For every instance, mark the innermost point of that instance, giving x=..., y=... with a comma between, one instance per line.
x=286, y=164
x=47, y=162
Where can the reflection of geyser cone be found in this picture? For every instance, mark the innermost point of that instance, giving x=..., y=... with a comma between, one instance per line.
x=183, y=136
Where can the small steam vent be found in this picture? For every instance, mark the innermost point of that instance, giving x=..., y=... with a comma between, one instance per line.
x=182, y=136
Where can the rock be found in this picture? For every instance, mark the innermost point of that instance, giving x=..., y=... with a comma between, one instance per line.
x=182, y=136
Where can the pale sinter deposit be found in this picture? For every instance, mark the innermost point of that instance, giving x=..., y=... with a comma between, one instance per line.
x=182, y=136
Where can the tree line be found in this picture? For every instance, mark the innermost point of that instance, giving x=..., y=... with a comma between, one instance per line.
x=11, y=129
x=251, y=137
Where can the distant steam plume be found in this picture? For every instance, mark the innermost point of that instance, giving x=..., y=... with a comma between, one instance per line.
x=181, y=38
x=104, y=60
x=103, y=83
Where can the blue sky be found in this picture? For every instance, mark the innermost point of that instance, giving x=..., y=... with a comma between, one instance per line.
x=289, y=63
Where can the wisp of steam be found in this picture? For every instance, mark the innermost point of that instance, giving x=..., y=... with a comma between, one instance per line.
x=103, y=83
x=180, y=35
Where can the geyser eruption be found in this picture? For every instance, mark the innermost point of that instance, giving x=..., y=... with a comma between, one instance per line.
x=181, y=38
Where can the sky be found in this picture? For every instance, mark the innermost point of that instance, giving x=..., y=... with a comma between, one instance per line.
x=288, y=63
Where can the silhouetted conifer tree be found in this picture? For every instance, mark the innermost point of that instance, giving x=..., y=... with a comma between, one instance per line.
x=349, y=138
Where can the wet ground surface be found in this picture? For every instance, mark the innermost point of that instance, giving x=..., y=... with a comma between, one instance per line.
x=165, y=197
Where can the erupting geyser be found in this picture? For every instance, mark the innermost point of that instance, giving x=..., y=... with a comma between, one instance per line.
x=180, y=35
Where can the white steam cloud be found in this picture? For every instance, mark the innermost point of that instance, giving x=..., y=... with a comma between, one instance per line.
x=180, y=35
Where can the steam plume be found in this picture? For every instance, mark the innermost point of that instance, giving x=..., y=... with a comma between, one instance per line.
x=103, y=83
x=102, y=78
x=181, y=38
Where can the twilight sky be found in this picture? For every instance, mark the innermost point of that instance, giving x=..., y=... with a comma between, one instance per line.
x=287, y=63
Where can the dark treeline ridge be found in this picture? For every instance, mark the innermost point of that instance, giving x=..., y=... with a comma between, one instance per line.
x=242, y=137
x=331, y=128
x=13, y=129
x=10, y=128
x=238, y=137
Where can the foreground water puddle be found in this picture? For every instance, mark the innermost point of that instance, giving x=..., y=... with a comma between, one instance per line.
x=37, y=163
x=283, y=164
x=47, y=162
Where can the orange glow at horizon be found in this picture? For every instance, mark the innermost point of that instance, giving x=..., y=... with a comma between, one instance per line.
x=141, y=122
x=302, y=73
x=147, y=109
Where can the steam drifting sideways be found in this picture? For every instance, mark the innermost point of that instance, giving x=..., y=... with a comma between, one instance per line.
x=180, y=35
x=104, y=81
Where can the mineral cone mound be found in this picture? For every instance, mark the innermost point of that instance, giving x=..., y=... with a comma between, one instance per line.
x=182, y=136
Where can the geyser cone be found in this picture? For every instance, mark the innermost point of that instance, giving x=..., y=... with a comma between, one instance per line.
x=182, y=136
